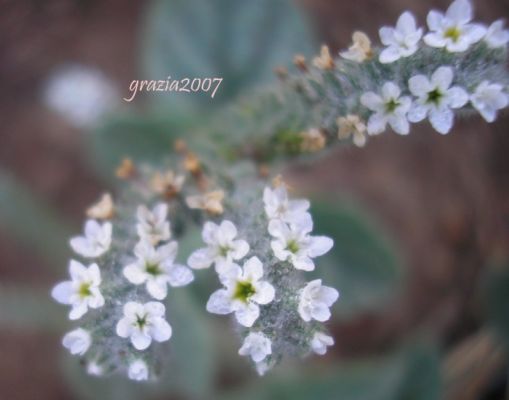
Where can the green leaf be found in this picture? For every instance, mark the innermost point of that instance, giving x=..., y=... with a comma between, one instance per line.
x=23, y=308
x=139, y=137
x=362, y=264
x=238, y=40
x=411, y=374
x=496, y=300
x=26, y=218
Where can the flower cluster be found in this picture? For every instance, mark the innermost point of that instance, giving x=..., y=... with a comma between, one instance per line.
x=268, y=298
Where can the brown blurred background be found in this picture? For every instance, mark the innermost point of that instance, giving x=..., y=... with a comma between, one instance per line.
x=445, y=199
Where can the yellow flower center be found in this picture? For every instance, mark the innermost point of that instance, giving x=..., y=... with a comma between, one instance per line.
x=243, y=291
x=84, y=290
x=453, y=33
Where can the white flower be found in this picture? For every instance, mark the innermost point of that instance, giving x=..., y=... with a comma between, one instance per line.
x=262, y=367
x=77, y=341
x=278, y=206
x=389, y=108
x=142, y=323
x=435, y=98
x=222, y=247
x=244, y=291
x=320, y=342
x=82, y=291
x=257, y=346
x=497, y=36
x=294, y=244
x=93, y=368
x=156, y=268
x=315, y=301
x=152, y=225
x=96, y=242
x=138, y=371
x=488, y=98
x=453, y=30
x=402, y=41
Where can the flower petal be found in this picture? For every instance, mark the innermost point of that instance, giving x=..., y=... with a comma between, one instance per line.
x=160, y=330
x=157, y=288
x=246, y=316
x=140, y=340
x=201, y=258
x=179, y=275
x=442, y=120
x=253, y=269
x=220, y=302
x=319, y=245
x=265, y=293
x=134, y=274
x=62, y=292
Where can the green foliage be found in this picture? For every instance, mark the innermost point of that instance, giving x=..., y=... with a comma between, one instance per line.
x=29, y=220
x=362, y=264
x=411, y=374
x=240, y=40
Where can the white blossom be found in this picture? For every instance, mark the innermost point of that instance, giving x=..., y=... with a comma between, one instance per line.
x=77, y=341
x=223, y=247
x=152, y=224
x=243, y=292
x=94, y=368
x=320, y=342
x=257, y=346
x=95, y=242
x=436, y=98
x=453, y=30
x=138, y=371
x=156, y=268
x=279, y=206
x=497, y=36
x=488, y=98
x=315, y=300
x=143, y=323
x=294, y=244
x=389, y=108
x=82, y=291
x=401, y=41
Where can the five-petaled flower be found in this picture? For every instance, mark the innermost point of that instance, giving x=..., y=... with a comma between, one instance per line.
x=243, y=292
x=453, y=30
x=223, y=247
x=138, y=370
x=315, y=300
x=294, y=244
x=488, y=98
x=257, y=346
x=320, y=342
x=142, y=323
x=279, y=206
x=436, y=98
x=401, y=41
x=389, y=108
x=152, y=225
x=95, y=242
x=82, y=291
x=77, y=341
x=156, y=268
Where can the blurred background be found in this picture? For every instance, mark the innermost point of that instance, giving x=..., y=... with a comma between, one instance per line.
x=421, y=223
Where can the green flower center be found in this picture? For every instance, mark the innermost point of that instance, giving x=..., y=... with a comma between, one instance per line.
x=453, y=33
x=243, y=291
x=434, y=96
x=141, y=321
x=84, y=290
x=292, y=246
x=391, y=105
x=153, y=269
x=224, y=250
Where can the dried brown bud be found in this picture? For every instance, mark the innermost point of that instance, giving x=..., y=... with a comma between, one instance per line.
x=103, y=209
x=126, y=169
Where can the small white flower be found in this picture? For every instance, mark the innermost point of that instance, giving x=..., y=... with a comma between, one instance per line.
x=320, y=342
x=156, y=268
x=222, y=247
x=82, y=291
x=96, y=242
x=453, y=30
x=294, y=244
x=244, y=291
x=389, y=108
x=488, y=98
x=142, y=323
x=257, y=346
x=138, y=371
x=401, y=41
x=94, y=368
x=77, y=341
x=436, y=98
x=315, y=301
x=278, y=206
x=152, y=225
x=497, y=36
